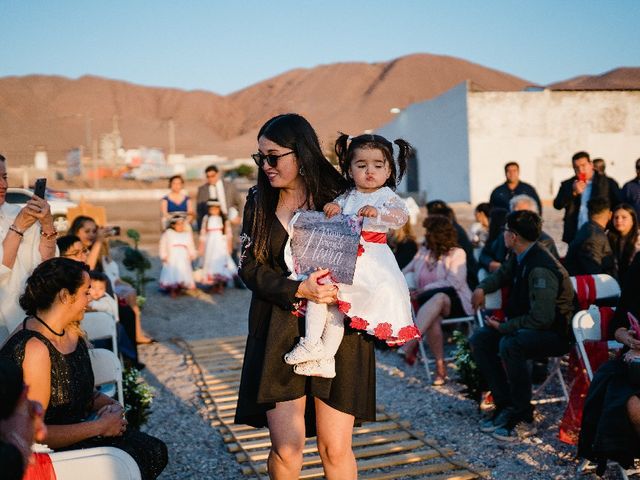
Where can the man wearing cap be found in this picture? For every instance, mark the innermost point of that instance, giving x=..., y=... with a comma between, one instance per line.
x=537, y=315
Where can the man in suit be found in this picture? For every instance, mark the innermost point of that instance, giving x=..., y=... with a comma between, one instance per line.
x=576, y=191
x=590, y=252
x=502, y=194
x=218, y=189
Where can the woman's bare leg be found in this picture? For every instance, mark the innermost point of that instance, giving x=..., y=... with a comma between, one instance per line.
x=633, y=410
x=335, y=430
x=286, y=429
x=439, y=308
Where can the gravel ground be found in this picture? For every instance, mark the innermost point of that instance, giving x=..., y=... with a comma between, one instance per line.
x=442, y=413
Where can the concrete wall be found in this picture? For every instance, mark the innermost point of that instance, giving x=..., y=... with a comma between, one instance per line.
x=438, y=131
x=541, y=131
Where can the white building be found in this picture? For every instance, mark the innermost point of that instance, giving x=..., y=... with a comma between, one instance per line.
x=464, y=137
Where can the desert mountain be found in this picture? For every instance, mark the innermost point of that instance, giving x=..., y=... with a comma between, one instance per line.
x=624, y=78
x=59, y=113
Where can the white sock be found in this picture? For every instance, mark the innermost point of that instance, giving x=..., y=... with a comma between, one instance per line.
x=333, y=331
x=314, y=322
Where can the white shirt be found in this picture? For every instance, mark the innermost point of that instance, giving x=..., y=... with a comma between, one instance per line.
x=105, y=304
x=583, y=213
x=12, y=280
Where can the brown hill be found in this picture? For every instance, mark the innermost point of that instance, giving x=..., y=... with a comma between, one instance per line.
x=624, y=78
x=59, y=113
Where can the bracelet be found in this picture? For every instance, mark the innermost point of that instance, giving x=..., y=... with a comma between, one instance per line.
x=14, y=229
x=50, y=235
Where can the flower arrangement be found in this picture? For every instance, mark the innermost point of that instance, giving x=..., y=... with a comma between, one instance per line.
x=135, y=261
x=138, y=397
x=468, y=373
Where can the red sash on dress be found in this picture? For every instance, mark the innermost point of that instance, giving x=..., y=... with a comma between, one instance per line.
x=374, y=237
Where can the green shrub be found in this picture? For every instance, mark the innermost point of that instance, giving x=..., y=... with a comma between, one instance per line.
x=138, y=397
x=468, y=373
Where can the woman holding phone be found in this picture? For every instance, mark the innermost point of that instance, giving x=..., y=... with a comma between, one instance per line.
x=27, y=237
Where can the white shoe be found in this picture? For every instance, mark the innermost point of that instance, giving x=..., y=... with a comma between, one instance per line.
x=304, y=352
x=325, y=368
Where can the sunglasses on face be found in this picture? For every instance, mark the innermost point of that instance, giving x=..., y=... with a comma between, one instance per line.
x=272, y=160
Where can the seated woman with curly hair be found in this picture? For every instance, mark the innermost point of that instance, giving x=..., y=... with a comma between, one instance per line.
x=440, y=274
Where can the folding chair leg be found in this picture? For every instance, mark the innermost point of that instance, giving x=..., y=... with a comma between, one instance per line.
x=425, y=360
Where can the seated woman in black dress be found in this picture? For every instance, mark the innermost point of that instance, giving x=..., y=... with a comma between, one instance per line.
x=611, y=417
x=53, y=355
x=294, y=174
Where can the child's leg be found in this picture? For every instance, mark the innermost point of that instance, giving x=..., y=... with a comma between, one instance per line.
x=333, y=331
x=310, y=346
x=315, y=321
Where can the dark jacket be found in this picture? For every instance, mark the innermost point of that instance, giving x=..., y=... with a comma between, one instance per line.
x=631, y=194
x=540, y=292
x=232, y=197
x=600, y=187
x=502, y=195
x=590, y=252
x=496, y=251
x=465, y=244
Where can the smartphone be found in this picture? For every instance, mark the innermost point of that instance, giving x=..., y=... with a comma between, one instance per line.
x=582, y=177
x=115, y=231
x=40, y=188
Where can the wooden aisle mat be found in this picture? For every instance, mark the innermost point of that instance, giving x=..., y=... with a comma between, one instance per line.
x=385, y=449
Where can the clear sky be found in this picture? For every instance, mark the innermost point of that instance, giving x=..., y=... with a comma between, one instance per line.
x=223, y=46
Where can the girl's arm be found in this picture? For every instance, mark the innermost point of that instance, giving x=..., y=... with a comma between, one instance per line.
x=164, y=208
x=190, y=215
x=229, y=234
x=392, y=214
x=164, y=247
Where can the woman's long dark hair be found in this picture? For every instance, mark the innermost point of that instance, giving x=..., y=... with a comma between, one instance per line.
x=78, y=223
x=321, y=180
x=624, y=247
x=345, y=151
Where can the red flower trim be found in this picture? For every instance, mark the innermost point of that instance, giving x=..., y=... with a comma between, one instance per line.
x=408, y=333
x=360, y=249
x=358, y=323
x=383, y=331
x=344, y=307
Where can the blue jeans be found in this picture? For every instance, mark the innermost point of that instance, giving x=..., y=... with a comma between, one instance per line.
x=502, y=360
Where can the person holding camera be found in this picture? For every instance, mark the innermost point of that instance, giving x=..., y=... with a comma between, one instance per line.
x=27, y=237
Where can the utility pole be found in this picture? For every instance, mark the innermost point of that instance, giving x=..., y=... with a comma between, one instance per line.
x=172, y=137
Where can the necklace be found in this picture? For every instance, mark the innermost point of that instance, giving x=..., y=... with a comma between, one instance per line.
x=47, y=326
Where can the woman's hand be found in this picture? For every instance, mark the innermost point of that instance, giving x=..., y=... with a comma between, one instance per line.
x=631, y=341
x=312, y=290
x=368, y=211
x=331, y=209
x=112, y=421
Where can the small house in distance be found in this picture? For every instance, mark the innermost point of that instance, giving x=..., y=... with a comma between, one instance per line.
x=464, y=137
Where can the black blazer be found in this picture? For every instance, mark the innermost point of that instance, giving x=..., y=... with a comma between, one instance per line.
x=590, y=252
x=601, y=187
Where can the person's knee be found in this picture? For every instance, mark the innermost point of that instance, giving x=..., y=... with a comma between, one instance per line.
x=510, y=348
x=633, y=409
x=288, y=453
x=334, y=451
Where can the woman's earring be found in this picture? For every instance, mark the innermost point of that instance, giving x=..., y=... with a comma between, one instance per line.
x=301, y=171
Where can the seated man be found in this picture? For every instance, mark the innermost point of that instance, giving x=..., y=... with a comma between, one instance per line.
x=495, y=253
x=538, y=313
x=590, y=252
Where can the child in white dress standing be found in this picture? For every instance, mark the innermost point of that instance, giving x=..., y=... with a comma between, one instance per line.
x=378, y=300
x=215, y=248
x=177, y=251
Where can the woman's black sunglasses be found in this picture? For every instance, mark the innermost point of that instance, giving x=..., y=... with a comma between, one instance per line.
x=272, y=160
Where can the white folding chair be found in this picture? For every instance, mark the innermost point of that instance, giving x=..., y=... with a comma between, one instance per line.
x=99, y=326
x=101, y=463
x=107, y=370
x=606, y=286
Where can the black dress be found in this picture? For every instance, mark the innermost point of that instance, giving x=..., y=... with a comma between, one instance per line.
x=71, y=398
x=274, y=330
x=606, y=431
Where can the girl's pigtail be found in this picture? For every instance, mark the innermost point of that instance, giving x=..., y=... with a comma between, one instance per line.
x=406, y=151
x=341, y=152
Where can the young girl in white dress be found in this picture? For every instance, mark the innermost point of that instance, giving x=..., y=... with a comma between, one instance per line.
x=177, y=251
x=378, y=300
x=215, y=248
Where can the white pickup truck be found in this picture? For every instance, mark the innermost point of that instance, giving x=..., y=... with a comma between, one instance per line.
x=58, y=200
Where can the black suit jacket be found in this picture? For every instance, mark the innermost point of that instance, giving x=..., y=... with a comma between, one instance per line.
x=600, y=187
x=231, y=194
x=590, y=252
